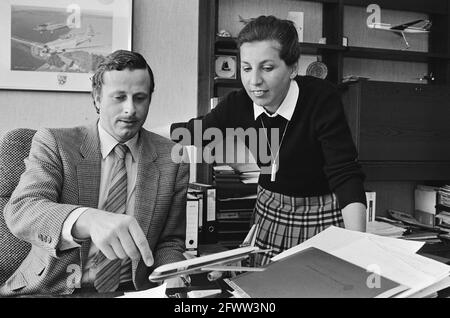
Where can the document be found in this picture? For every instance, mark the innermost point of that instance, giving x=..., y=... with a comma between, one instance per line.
x=336, y=237
x=157, y=292
x=392, y=258
x=313, y=273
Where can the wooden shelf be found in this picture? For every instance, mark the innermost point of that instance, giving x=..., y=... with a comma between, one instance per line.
x=433, y=6
x=227, y=82
x=396, y=55
x=228, y=45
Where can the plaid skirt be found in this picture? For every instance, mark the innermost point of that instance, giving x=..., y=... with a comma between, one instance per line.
x=286, y=221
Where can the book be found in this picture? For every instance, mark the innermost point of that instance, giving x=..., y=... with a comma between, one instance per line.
x=425, y=200
x=313, y=273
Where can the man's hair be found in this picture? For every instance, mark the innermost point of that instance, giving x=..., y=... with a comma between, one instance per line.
x=266, y=28
x=117, y=61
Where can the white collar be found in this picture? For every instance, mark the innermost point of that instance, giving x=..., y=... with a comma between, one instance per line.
x=287, y=107
x=108, y=142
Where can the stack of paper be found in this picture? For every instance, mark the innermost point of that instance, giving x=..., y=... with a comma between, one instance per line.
x=384, y=229
x=394, y=259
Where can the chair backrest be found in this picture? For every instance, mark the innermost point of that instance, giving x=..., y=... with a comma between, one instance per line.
x=14, y=148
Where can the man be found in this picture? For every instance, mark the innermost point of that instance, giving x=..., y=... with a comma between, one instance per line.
x=101, y=205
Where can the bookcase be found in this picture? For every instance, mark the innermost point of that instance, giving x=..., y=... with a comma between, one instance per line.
x=375, y=54
x=393, y=72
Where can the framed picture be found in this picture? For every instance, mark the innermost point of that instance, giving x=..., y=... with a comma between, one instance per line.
x=57, y=45
x=226, y=66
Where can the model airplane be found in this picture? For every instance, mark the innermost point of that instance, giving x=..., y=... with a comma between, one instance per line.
x=213, y=262
x=426, y=77
x=417, y=26
x=50, y=27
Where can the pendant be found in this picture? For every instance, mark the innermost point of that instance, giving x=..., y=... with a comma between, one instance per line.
x=274, y=172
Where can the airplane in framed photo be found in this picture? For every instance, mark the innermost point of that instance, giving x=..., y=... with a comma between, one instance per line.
x=50, y=26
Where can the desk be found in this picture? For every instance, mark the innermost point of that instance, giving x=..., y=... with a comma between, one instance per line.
x=437, y=251
x=198, y=281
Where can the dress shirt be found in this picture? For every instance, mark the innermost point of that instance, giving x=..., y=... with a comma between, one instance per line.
x=286, y=108
x=107, y=144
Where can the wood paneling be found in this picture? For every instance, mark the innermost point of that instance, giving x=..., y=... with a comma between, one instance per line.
x=400, y=122
x=394, y=195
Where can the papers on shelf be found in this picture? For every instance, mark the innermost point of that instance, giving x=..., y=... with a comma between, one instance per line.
x=384, y=229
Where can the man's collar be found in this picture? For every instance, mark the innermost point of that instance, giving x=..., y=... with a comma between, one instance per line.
x=108, y=142
x=287, y=107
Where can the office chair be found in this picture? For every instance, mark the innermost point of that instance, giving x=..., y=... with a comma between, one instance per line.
x=14, y=148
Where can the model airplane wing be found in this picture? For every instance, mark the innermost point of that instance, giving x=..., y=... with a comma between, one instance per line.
x=212, y=262
x=404, y=26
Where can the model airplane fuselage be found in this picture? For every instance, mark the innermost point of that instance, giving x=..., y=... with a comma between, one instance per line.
x=417, y=26
x=202, y=263
x=50, y=27
x=213, y=262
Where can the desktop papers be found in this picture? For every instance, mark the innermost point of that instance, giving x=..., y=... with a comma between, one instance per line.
x=392, y=258
x=157, y=292
x=312, y=273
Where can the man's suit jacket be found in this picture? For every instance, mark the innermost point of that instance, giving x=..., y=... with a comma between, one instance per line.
x=63, y=173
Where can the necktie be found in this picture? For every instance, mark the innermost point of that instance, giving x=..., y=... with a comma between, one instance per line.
x=107, y=278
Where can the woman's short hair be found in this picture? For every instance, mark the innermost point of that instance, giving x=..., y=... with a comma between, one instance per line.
x=266, y=28
x=117, y=61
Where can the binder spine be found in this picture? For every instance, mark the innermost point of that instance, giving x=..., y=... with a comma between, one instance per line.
x=192, y=206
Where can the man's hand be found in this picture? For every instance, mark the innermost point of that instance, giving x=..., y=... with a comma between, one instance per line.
x=116, y=235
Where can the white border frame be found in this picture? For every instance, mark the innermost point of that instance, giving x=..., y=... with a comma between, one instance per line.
x=122, y=12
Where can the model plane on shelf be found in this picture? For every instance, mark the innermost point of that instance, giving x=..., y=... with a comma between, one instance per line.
x=212, y=262
x=416, y=26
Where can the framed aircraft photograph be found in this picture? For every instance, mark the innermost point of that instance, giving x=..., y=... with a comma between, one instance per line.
x=56, y=45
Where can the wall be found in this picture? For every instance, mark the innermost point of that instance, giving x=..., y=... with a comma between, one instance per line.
x=166, y=33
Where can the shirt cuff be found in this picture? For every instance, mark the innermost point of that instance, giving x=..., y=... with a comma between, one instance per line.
x=68, y=241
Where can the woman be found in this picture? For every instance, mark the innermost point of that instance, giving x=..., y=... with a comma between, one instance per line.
x=313, y=179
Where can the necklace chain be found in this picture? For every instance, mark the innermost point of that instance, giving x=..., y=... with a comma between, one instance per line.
x=268, y=142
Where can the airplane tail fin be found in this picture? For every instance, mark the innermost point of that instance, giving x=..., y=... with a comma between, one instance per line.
x=427, y=25
x=90, y=31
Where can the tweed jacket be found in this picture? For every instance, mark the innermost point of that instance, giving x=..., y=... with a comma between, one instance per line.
x=63, y=173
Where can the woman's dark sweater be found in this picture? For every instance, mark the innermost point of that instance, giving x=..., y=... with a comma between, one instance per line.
x=317, y=155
